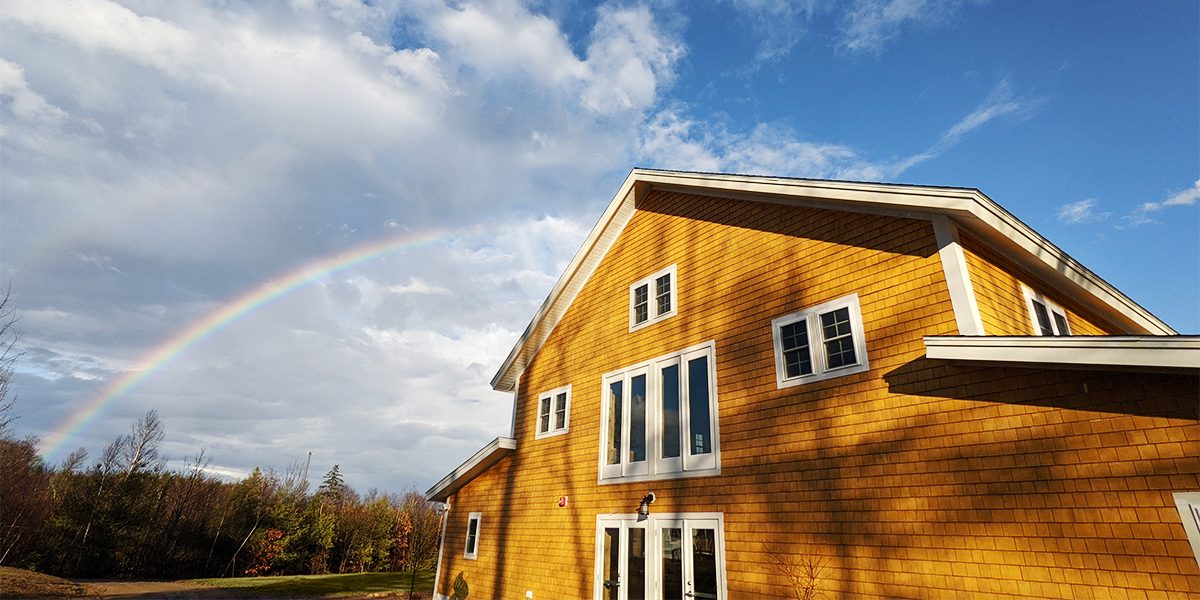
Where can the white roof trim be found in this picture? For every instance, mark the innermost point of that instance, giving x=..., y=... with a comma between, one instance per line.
x=969, y=208
x=1135, y=352
x=473, y=467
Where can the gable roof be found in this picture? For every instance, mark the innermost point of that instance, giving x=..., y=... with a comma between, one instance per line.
x=969, y=208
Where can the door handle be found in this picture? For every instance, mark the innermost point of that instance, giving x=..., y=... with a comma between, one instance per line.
x=689, y=593
x=611, y=583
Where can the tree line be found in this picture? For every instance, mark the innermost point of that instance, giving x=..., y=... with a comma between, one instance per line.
x=126, y=515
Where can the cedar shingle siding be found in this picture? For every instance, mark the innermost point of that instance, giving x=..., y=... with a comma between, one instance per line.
x=915, y=479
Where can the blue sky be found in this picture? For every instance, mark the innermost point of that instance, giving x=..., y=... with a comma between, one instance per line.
x=160, y=160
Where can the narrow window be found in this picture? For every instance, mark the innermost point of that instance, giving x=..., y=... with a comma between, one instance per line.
x=554, y=412
x=653, y=298
x=662, y=287
x=797, y=360
x=544, y=415
x=472, y=549
x=641, y=304
x=1046, y=317
x=615, y=403
x=669, y=378
x=839, y=340
x=560, y=411
x=698, y=406
x=637, y=419
x=820, y=342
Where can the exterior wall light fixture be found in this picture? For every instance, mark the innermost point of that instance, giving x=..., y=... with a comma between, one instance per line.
x=644, y=506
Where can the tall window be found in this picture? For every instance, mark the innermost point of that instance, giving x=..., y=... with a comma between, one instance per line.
x=472, y=549
x=820, y=342
x=1046, y=317
x=660, y=417
x=652, y=299
x=554, y=411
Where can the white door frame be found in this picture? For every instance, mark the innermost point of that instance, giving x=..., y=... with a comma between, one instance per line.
x=653, y=525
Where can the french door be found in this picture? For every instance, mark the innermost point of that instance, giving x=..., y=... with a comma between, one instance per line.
x=669, y=557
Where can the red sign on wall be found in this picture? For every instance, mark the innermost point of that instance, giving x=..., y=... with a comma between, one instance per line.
x=562, y=501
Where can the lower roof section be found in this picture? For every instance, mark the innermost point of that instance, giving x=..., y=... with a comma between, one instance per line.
x=483, y=460
x=1174, y=353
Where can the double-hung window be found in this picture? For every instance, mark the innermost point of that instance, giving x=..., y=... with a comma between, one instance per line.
x=472, y=548
x=1046, y=317
x=653, y=299
x=659, y=418
x=820, y=342
x=554, y=412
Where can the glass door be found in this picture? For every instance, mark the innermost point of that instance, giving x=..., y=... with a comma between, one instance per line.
x=677, y=556
x=701, y=574
x=621, y=560
x=688, y=563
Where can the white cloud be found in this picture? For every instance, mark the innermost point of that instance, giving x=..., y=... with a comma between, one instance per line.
x=417, y=286
x=1186, y=197
x=99, y=25
x=778, y=24
x=630, y=60
x=674, y=141
x=1083, y=211
x=872, y=24
x=24, y=103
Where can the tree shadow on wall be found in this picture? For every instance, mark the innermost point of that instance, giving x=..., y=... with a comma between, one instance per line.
x=460, y=588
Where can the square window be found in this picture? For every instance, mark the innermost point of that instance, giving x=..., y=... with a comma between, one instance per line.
x=652, y=299
x=834, y=329
x=554, y=412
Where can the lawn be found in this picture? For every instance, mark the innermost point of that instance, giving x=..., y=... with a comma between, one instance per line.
x=354, y=584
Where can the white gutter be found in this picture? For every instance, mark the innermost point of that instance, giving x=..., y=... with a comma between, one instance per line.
x=1141, y=352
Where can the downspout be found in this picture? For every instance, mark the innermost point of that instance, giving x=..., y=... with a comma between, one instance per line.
x=437, y=575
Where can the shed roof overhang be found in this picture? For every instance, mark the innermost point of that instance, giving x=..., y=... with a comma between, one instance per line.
x=967, y=207
x=483, y=460
x=1152, y=353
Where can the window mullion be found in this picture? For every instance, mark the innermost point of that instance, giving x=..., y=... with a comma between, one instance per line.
x=816, y=343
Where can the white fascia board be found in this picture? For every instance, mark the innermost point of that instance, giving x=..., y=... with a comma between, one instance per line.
x=594, y=248
x=473, y=467
x=1136, y=352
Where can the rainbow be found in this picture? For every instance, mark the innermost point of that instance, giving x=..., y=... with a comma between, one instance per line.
x=251, y=300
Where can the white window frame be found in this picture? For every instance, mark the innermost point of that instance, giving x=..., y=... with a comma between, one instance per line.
x=1052, y=309
x=816, y=342
x=551, y=430
x=653, y=524
x=655, y=466
x=468, y=551
x=652, y=314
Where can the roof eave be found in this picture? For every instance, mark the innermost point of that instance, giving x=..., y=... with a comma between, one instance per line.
x=473, y=467
x=1173, y=354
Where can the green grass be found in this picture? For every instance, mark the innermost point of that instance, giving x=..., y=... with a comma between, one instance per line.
x=325, y=585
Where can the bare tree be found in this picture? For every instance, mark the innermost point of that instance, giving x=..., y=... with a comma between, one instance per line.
x=8, y=358
x=804, y=573
x=139, y=448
